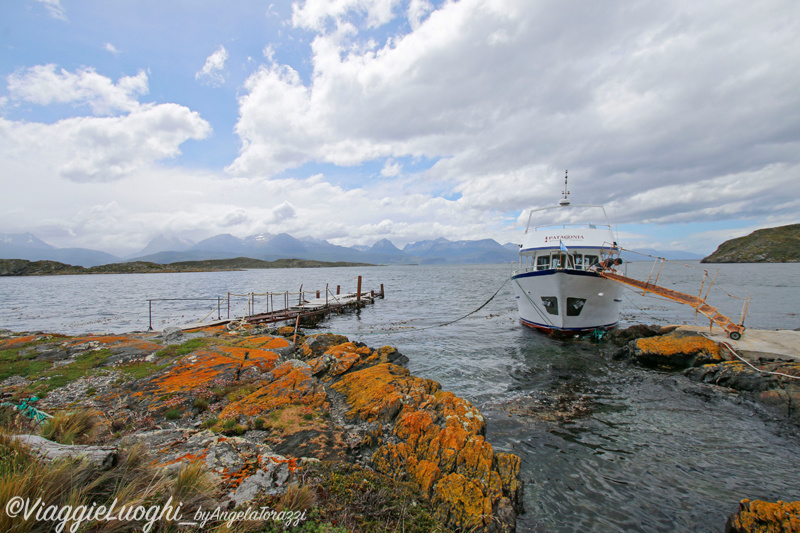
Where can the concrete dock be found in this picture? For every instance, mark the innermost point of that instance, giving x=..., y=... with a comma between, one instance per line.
x=756, y=343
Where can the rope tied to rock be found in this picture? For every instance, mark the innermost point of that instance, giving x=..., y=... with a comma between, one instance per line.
x=743, y=360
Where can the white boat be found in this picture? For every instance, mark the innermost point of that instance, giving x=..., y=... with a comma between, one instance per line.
x=556, y=283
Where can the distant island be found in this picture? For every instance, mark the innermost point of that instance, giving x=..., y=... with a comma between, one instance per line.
x=23, y=267
x=770, y=245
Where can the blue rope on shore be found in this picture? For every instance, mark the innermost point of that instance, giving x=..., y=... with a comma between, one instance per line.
x=28, y=410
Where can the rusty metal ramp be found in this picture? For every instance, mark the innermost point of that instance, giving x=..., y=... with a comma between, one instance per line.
x=699, y=304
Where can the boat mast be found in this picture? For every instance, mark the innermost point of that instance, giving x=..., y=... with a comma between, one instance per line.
x=565, y=201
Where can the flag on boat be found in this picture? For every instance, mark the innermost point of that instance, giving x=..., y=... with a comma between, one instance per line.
x=563, y=248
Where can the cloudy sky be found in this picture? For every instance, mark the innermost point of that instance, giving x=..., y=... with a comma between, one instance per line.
x=357, y=120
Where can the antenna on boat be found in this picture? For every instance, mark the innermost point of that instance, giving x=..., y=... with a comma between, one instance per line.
x=565, y=201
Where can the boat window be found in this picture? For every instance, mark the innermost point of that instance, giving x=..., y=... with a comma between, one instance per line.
x=575, y=306
x=578, y=261
x=542, y=263
x=550, y=303
x=590, y=260
x=556, y=263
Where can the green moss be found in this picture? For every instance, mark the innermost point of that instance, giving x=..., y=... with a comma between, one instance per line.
x=23, y=368
x=200, y=403
x=141, y=370
x=177, y=350
x=236, y=393
x=210, y=423
x=85, y=364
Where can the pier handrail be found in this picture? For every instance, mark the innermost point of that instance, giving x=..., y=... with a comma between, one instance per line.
x=289, y=306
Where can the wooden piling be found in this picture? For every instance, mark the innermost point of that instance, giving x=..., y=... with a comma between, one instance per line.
x=358, y=292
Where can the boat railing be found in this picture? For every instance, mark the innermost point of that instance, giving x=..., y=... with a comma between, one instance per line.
x=571, y=226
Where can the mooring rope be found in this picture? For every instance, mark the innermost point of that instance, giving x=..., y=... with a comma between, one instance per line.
x=743, y=360
x=410, y=330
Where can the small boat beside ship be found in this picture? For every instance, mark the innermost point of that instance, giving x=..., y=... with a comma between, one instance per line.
x=557, y=282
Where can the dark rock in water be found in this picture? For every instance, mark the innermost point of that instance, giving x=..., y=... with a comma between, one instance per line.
x=770, y=381
x=621, y=337
x=779, y=393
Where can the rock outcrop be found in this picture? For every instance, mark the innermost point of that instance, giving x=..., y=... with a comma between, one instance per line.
x=675, y=350
x=769, y=245
x=764, y=517
x=255, y=409
x=769, y=379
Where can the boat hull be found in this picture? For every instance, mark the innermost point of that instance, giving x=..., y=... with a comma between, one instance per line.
x=567, y=300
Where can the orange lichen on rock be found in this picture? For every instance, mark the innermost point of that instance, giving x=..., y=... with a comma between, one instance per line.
x=508, y=466
x=291, y=384
x=113, y=342
x=265, y=342
x=195, y=370
x=187, y=457
x=210, y=330
x=291, y=462
x=377, y=394
x=16, y=342
x=286, y=331
x=674, y=344
x=765, y=517
x=263, y=359
x=461, y=502
x=441, y=447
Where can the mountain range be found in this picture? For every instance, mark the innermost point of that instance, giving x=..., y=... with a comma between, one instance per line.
x=269, y=247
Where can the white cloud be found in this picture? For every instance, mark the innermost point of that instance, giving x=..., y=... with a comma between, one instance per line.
x=391, y=169
x=92, y=148
x=102, y=149
x=417, y=10
x=669, y=112
x=46, y=84
x=313, y=14
x=108, y=47
x=213, y=71
x=507, y=94
x=54, y=8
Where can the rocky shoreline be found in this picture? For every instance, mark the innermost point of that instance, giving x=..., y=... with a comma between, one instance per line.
x=769, y=380
x=269, y=414
x=334, y=428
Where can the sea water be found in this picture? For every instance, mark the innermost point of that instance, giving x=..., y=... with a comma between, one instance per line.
x=604, y=446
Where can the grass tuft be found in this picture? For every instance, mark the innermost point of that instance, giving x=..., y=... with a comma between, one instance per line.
x=131, y=482
x=76, y=427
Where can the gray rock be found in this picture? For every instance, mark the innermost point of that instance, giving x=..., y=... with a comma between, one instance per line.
x=270, y=479
x=172, y=335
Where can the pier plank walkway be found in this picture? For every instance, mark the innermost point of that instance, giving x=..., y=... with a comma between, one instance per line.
x=333, y=303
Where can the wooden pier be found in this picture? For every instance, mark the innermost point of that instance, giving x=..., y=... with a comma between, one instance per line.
x=323, y=303
x=318, y=306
